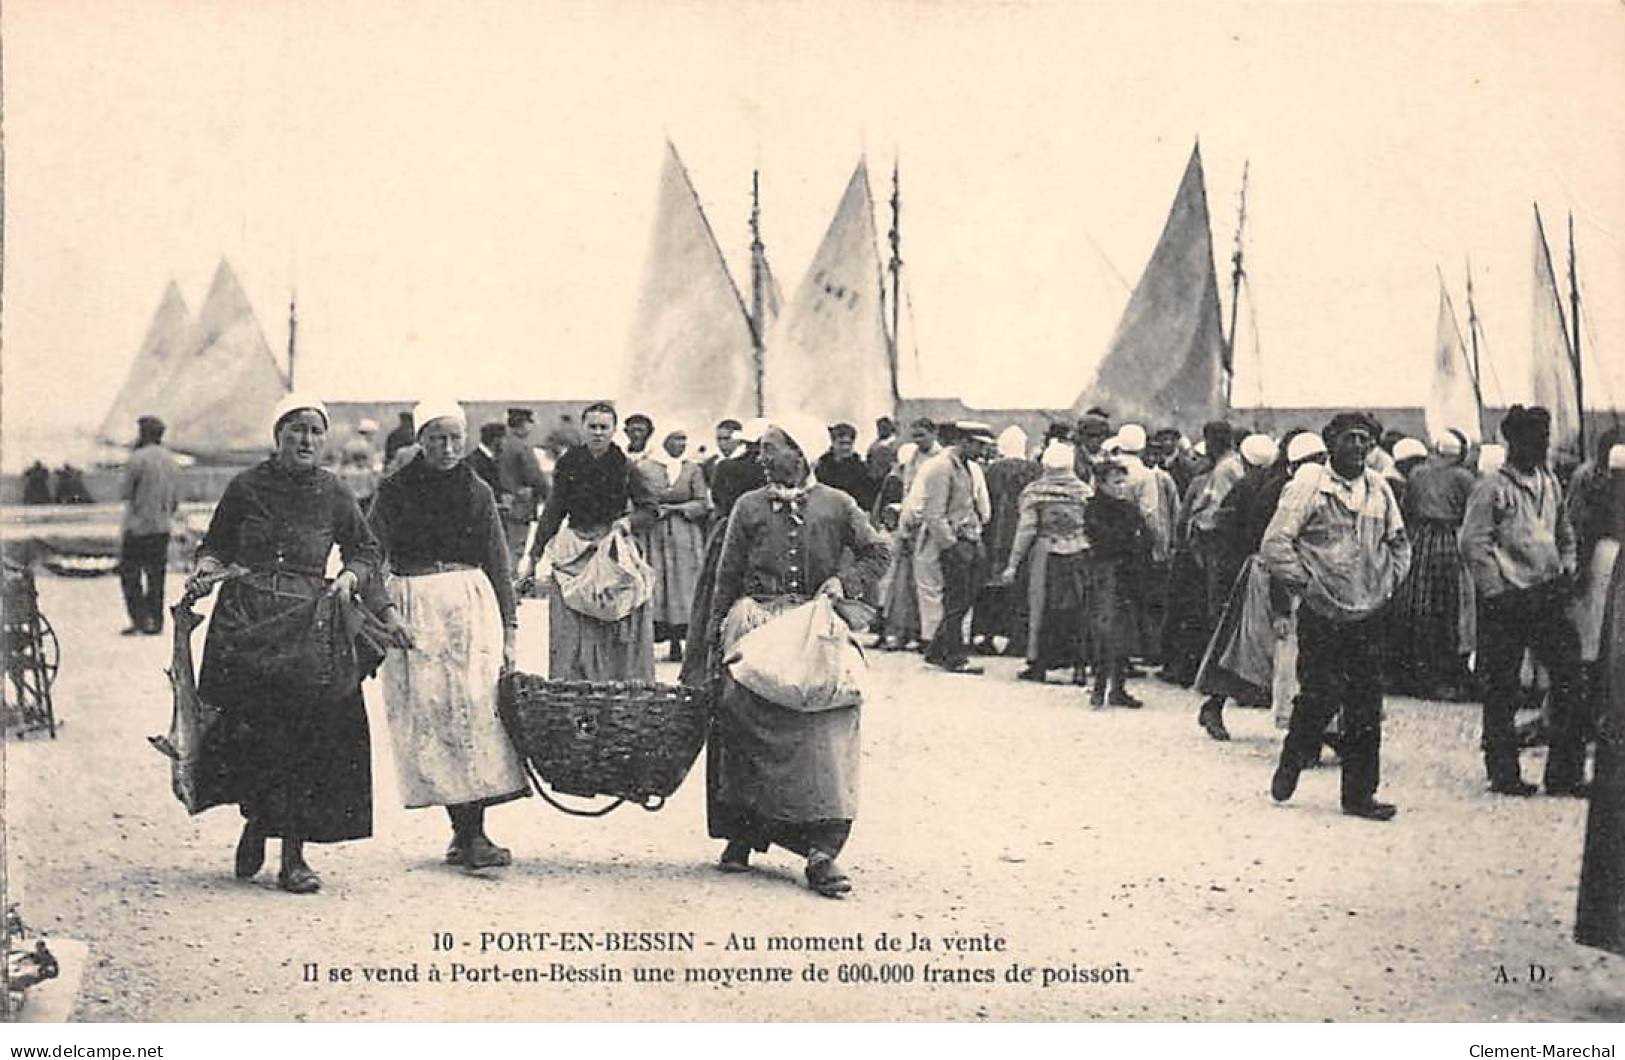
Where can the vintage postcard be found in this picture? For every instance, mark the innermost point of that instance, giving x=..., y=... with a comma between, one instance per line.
x=1032, y=510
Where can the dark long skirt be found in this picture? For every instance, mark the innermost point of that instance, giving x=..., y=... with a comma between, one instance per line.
x=1427, y=646
x=776, y=775
x=296, y=761
x=296, y=766
x=1111, y=633
x=1600, y=918
x=698, y=666
x=1185, y=630
x=1058, y=629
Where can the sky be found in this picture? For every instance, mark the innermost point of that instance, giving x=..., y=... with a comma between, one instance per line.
x=461, y=194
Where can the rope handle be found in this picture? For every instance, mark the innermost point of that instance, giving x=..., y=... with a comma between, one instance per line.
x=653, y=804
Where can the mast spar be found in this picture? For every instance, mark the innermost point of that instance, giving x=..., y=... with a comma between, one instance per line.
x=1236, y=274
x=757, y=261
x=293, y=329
x=1574, y=347
x=1472, y=337
x=895, y=267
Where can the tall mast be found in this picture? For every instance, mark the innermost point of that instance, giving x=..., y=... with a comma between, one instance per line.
x=293, y=330
x=757, y=271
x=1574, y=347
x=1472, y=336
x=895, y=266
x=1236, y=274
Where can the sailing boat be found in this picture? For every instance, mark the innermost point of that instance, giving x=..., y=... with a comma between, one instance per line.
x=692, y=353
x=1166, y=364
x=219, y=397
x=830, y=354
x=143, y=391
x=1454, y=399
x=1555, y=363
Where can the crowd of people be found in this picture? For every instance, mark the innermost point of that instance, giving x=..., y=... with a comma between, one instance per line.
x=1311, y=573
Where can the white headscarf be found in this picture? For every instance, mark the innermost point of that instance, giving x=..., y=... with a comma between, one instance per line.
x=1259, y=450
x=438, y=407
x=905, y=453
x=1409, y=449
x=296, y=402
x=672, y=464
x=1058, y=456
x=1490, y=458
x=1131, y=438
x=1013, y=442
x=1304, y=446
x=1447, y=444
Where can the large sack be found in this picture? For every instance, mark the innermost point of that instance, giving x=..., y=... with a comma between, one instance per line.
x=610, y=584
x=805, y=658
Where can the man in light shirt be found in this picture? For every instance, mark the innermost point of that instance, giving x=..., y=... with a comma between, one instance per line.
x=151, y=493
x=1337, y=540
x=1520, y=550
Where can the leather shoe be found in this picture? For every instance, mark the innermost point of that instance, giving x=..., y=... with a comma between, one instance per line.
x=960, y=667
x=1373, y=810
x=481, y=853
x=1284, y=782
x=1519, y=787
x=735, y=857
x=250, y=853
x=299, y=880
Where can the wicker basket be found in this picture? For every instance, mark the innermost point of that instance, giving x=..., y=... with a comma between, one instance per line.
x=632, y=740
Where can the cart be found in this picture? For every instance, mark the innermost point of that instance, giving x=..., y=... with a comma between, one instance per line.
x=31, y=652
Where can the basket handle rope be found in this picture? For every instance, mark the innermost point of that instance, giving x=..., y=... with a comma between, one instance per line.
x=652, y=804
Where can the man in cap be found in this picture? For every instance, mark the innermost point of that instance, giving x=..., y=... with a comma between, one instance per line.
x=484, y=461
x=1520, y=549
x=727, y=444
x=638, y=428
x=151, y=492
x=951, y=537
x=1337, y=540
x=740, y=473
x=843, y=468
x=402, y=435
x=1094, y=429
x=523, y=479
x=883, y=451
x=923, y=433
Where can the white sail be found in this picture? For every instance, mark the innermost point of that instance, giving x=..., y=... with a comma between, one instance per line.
x=1551, y=354
x=143, y=391
x=690, y=359
x=1165, y=365
x=222, y=393
x=828, y=355
x=1452, y=400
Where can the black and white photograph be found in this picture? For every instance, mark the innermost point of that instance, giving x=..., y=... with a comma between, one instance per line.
x=871, y=512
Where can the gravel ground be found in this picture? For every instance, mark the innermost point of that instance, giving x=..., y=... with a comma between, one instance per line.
x=992, y=810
